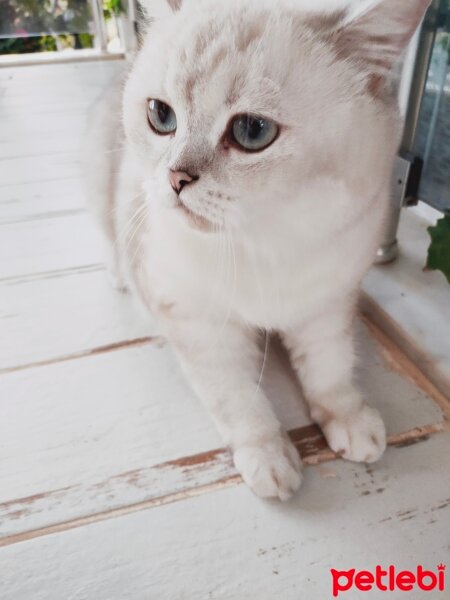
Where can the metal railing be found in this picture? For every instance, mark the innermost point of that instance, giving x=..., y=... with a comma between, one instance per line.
x=409, y=164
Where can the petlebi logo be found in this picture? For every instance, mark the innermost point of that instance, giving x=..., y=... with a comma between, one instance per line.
x=388, y=580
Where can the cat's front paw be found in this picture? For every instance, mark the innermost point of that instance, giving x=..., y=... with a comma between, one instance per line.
x=361, y=437
x=115, y=272
x=271, y=469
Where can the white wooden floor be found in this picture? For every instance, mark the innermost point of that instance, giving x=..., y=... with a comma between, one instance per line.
x=113, y=484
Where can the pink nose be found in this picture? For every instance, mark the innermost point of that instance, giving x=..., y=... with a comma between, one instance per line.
x=178, y=179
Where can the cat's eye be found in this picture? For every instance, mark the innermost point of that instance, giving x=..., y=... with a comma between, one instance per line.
x=253, y=133
x=161, y=117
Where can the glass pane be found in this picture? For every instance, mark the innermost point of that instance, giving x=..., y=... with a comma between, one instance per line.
x=39, y=25
x=433, y=135
x=37, y=17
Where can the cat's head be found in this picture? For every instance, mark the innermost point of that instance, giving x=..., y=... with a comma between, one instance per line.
x=233, y=107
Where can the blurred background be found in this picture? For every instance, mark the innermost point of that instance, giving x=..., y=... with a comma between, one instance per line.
x=64, y=26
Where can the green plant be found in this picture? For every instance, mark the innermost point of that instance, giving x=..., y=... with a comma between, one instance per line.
x=20, y=45
x=439, y=251
x=86, y=40
x=47, y=43
x=112, y=8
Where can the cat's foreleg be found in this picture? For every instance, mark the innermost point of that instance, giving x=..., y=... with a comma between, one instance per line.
x=223, y=364
x=322, y=352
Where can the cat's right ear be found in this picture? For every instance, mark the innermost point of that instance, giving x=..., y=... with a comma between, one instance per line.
x=154, y=10
x=377, y=32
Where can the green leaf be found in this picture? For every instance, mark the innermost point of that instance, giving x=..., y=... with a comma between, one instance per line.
x=439, y=251
x=112, y=7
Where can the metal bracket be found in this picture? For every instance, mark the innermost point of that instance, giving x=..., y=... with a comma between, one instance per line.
x=405, y=186
x=408, y=168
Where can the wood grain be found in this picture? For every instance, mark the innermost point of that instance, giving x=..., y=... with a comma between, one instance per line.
x=72, y=241
x=231, y=545
x=398, y=360
x=164, y=483
x=53, y=314
x=98, y=425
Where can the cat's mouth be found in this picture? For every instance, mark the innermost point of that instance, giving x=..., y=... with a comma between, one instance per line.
x=195, y=220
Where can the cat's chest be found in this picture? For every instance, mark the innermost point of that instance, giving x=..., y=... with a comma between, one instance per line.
x=209, y=275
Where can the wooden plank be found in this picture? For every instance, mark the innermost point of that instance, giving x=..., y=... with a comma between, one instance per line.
x=27, y=200
x=400, y=362
x=28, y=86
x=43, y=245
x=44, y=319
x=38, y=75
x=24, y=169
x=68, y=109
x=412, y=305
x=118, y=406
x=47, y=105
x=31, y=93
x=27, y=126
x=229, y=544
x=46, y=145
x=71, y=99
x=52, y=82
x=151, y=487
x=121, y=406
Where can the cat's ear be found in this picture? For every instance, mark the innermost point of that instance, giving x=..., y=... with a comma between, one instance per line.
x=379, y=34
x=159, y=9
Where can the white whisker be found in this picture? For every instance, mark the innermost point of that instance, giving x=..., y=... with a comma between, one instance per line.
x=141, y=219
x=263, y=366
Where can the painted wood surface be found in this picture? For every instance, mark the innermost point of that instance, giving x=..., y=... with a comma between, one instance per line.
x=228, y=545
x=26, y=200
x=113, y=482
x=413, y=304
x=39, y=168
x=131, y=398
x=140, y=412
x=70, y=242
x=164, y=483
x=61, y=314
x=44, y=115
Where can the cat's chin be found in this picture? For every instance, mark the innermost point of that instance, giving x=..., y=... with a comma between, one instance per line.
x=194, y=220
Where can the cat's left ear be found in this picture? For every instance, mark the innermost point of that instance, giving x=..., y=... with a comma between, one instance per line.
x=378, y=35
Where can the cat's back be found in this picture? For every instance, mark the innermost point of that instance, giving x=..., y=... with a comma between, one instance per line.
x=103, y=148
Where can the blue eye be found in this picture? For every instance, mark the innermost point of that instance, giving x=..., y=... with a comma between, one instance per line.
x=161, y=117
x=253, y=133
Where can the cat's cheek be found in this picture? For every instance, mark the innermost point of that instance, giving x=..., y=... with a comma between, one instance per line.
x=158, y=193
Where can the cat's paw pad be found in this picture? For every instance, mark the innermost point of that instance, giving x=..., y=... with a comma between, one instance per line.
x=271, y=469
x=361, y=437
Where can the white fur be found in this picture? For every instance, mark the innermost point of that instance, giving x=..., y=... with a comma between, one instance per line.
x=293, y=228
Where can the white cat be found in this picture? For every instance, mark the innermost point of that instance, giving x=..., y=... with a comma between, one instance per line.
x=244, y=188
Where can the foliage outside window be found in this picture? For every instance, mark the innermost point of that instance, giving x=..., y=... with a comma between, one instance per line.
x=49, y=25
